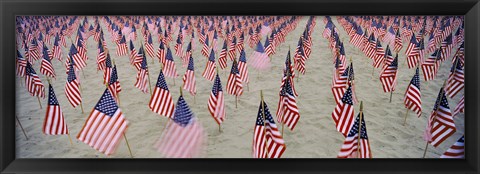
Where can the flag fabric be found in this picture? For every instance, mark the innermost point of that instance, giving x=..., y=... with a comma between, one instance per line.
x=398, y=43
x=184, y=136
x=388, y=77
x=114, y=84
x=413, y=96
x=431, y=65
x=178, y=46
x=161, y=53
x=107, y=72
x=122, y=48
x=142, y=75
x=54, y=123
x=209, y=72
x=231, y=50
x=46, y=67
x=161, y=101
x=222, y=58
x=137, y=61
x=344, y=113
x=440, y=125
x=105, y=125
x=56, y=50
x=300, y=58
x=205, y=48
x=21, y=65
x=33, y=83
x=72, y=87
x=446, y=47
x=242, y=67
x=267, y=140
x=189, y=82
x=351, y=147
x=340, y=85
x=216, y=102
x=234, y=83
x=77, y=58
x=149, y=46
x=101, y=57
x=457, y=150
x=460, y=108
x=169, y=68
x=456, y=80
x=287, y=112
x=259, y=59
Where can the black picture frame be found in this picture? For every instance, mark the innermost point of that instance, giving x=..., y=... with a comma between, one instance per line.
x=9, y=9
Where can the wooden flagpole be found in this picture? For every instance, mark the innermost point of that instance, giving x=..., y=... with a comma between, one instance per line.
x=39, y=103
x=23, y=130
x=359, y=129
x=264, y=124
x=436, y=110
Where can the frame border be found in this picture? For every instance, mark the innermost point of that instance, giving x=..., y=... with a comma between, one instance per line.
x=9, y=9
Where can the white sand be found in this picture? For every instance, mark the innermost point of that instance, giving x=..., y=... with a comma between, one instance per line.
x=314, y=136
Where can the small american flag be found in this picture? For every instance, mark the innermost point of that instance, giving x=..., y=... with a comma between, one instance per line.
x=431, y=65
x=21, y=65
x=107, y=72
x=205, y=48
x=460, y=106
x=46, y=67
x=82, y=50
x=344, y=113
x=101, y=57
x=441, y=125
x=149, y=46
x=300, y=57
x=390, y=36
x=114, y=84
x=33, y=52
x=388, y=77
x=339, y=85
x=33, y=83
x=456, y=80
x=142, y=75
x=216, y=102
x=72, y=87
x=457, y=150
x=184, y=137
x=222, y=58
x=398, y=42
x=380, y=53
x=178, y=46
x=169, y=68
x=259, y=59
x=413, y=96
x=240, y=43
x=268, y=47
x=122, y=48
x=209, y=72
x=189, y=82
x=234, y=83
x=446, y=47
x=267, y=140
x=77, y=58
x=242, y=67
x=351, y=148
x=161, y=53
x=287, y=112
x=161, y=101
x=232, y=54
x=105, y=125
x=57, y=51
x=371, y=47
x=54, y=123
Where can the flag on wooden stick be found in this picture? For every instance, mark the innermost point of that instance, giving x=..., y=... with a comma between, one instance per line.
x=54, y=123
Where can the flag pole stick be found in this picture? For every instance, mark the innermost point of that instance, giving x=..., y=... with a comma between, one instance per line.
x=70, y=138
x=435, y=116
x=264, y=124
x=128, y=145
x=39, y=103
x=359, y=129
x=391, y=93
x=23, y=130
x=236, y=102
x=406, y=114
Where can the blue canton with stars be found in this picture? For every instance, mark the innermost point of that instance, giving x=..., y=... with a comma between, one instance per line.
x=45, y=53
x=217, y=86
x=106, y=104
x=189, y=47
x=259, y=48
x=354, y=129
x=234, y=68
x=351, y=73
x=131, y=45
x=443, y=103
x=71, y=74
x=224, y=45
x=29, y=69
x=113, y=76
x=461, y=140
x=183, y=115
x=416, y=80
x=73, y=50
x=169, y=55
x=52, y=99
x=242, y=56
x=287, y=88
x=190, y=64
x=211, y=58
x=459, y=65
x=108, y=61
x=268, y=116
x=347, y=97
x=161, y=81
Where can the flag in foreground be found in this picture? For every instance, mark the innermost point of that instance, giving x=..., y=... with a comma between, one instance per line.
x=54, y=123
x=354, y=146
x=267, y=140
x=457, y=150
x=161, y=101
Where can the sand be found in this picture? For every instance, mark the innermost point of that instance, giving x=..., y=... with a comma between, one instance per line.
x=314, y=136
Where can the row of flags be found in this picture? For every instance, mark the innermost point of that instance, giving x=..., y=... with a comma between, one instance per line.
x=161, y=100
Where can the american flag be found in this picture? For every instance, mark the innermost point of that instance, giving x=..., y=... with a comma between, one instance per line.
x=441, y=125
x=161, y=53
x=122, y=48
x=56, y=50
x=431, y=65
x=33, y=83
x=267, y=140
x=259, y=59
x=234, y=83
x=460, y=106
x=82, y=50
x=214, y=41
x=104, y=126
x=446, y=47
x=46, y=67
x=289, y=70
x=339, y=85
x=268, y=47
x=108, y=69
x=161, y=101
x=222, y=58
x=216, y=102
x=388, y=77
x=398, y=42
x=114, y=84
x=77, y=58
x=133, y=52
x=137, y=61
x=287, y=112
x=242, y=67
x=184, y=137
x=460, y=54
x=188, y=53
x=351, y=148
x=189, y=82
x=380, y=53
x=457, y=150
x=389, y=38
x=169, y=68
x=54, y=123
x=344, y=113
x=205, y=48
x=33, y=52
x=239, y=47
x=329, y=27
x=21, y=65
x=372, y=43
x=209, y=72
x=431, y=43
x=72, y=87
x=413, y=95
x=456, y=80
x=149, y=46
x=178, y=46
x=101, y=57
x=142, y=75
x=232, y=54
